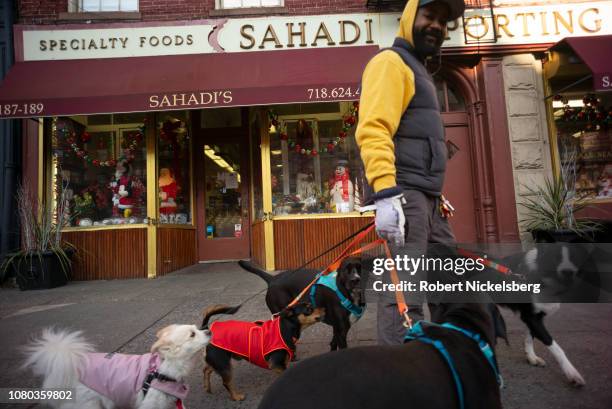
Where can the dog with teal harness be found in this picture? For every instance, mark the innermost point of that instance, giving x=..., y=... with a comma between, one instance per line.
x=418, y=332
x=330, y=281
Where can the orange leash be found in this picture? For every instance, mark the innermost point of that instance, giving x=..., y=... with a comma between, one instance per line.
x=399, y=295
x=334, y=265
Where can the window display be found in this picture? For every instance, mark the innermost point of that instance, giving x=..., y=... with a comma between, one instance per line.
x=585, y=139
x=173, y=164
x=315, y=162
x=101, y=162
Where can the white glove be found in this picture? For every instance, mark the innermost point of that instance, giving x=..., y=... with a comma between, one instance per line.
x=390, y=219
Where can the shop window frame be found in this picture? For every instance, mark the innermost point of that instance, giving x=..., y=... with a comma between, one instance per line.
x=556, y=155
x=46, y=184
x=220, y=5
x=330, y=116
x=47, y=175
x=192, y=224
x=76, y=6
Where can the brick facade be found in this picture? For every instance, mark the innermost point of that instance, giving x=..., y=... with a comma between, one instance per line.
x=48, y=11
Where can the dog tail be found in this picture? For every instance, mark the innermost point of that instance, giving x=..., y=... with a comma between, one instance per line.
x=248, y=266
x=57, y=356
x=217, y=309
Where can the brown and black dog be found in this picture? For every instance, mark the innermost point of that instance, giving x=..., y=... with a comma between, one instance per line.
x=267, y=344
x=351, y=281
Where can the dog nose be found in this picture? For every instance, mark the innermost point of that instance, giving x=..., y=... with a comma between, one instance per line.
x=207, y=332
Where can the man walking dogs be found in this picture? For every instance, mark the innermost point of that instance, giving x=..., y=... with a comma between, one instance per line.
x=401, y=139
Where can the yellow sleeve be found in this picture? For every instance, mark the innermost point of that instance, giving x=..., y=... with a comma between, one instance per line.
x=387, y=88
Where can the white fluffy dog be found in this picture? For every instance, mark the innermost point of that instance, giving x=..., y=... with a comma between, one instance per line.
x=105, y=381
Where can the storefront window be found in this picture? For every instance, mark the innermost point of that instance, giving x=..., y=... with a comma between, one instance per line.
x=101, y=162
x=173, y=164
x=315, y=162
x=585, y=141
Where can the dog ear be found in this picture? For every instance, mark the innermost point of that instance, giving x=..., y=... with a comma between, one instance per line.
x=163, y=343
x=287, y=313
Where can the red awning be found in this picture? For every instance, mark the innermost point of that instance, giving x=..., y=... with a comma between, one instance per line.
x=596, y=53
x=138, y=84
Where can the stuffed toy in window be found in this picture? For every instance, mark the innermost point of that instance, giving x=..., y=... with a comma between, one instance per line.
x=126, y=190
x=342, y=191
x=168, y=190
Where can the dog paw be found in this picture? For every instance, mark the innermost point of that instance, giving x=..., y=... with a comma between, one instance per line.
x=536, y=361
x=574, y=378
x=238, y=397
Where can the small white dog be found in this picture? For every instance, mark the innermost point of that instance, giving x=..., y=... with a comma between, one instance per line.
x=109, y=381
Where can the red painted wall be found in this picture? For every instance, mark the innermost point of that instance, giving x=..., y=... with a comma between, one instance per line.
x=47, y=11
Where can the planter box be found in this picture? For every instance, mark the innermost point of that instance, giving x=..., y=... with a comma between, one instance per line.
x=563, y=236
x=40, y=272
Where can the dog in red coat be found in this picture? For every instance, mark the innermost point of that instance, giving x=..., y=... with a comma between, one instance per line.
x=267, y=344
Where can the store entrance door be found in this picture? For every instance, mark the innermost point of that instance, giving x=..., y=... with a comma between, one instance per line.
x=459, y=180
x=222, y=182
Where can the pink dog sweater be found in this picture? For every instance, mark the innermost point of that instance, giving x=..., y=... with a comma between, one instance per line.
x=119, y=377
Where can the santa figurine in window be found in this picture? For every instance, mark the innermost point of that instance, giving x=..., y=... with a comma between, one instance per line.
x=168, y=190
x=341, y=190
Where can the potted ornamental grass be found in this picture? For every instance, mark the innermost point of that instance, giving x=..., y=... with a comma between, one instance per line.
x=552, y=208
x=44, y=261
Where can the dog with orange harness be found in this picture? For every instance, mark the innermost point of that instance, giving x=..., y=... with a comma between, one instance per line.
x=268, y=344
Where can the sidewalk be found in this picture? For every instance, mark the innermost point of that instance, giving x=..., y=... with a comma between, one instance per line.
x=128, y=313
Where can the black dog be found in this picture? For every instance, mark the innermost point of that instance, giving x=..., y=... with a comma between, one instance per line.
x=567, y=273
x=285, y=286
x=413, y=375
x=562, y=272
x=268, y=344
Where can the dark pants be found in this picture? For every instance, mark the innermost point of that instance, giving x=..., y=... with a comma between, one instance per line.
x=424, y=225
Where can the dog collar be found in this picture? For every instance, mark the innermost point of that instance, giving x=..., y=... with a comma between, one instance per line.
x=164, y=383
x=417, y=333
x=329, y=281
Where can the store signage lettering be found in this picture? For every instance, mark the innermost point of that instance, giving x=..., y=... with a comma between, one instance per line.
x=513, y=25
x=86, y=43
x=540, y=24
x=113, y=42
x=191, y=99
x=22, y=109
x=295, y=35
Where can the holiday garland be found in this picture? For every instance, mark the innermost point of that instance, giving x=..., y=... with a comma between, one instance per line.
x=348, y=122
x=70, y=136
x=592, y=112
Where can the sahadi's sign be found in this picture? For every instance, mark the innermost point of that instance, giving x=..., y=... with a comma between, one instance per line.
x=113, y=41
x=509, y=25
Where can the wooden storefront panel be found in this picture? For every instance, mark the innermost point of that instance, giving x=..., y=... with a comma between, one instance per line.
x=109, y=254
x=258, y=244
x=297, y=241
x=176, y=249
